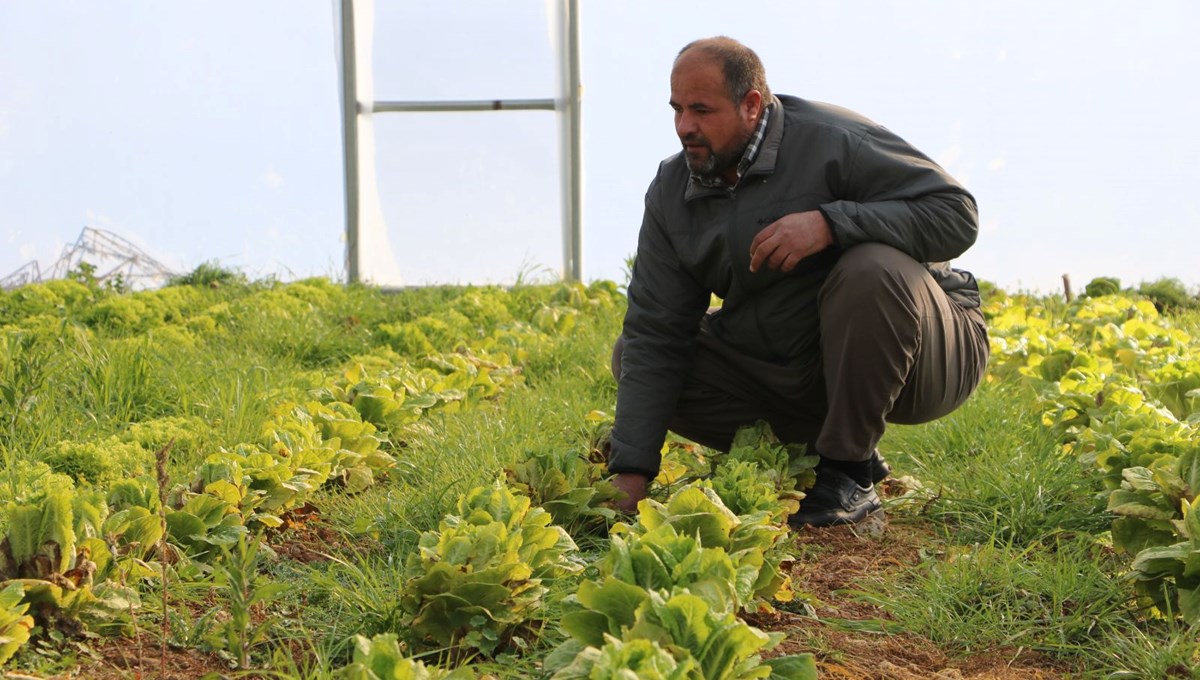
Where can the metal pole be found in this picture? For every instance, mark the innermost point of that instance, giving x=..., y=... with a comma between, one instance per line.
x=573, y=227
x=350, y=138
x=467, y=105
x=572, y=140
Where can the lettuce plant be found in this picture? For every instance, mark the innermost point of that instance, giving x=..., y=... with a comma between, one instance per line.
x=136, y=531
x=746, y=488
x=570, y=487
x=51, y=552
x=478, y=579
x=1169, y=576
x=555, y=320
x=405, y=338
x=328, y=443
x=41, y=535
x=99, y=463
x=664, y=559
x=618, y=660
x=1157, y=508
x=760, y=474
x=380, y=658
x=133, y=527
x=690, y=545
x=702, y=643
x=391, y=396
x=205, y=524
x=789, y=466
x=15, y=624
x=753, y=542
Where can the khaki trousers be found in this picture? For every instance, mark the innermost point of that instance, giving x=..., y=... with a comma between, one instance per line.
x=894, y=349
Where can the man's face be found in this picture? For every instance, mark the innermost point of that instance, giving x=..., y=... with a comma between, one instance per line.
x=713, y=129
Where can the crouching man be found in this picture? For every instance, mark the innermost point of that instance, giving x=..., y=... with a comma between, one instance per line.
x=827, y=238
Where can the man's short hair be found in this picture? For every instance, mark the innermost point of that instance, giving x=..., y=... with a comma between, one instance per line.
x=743, y=69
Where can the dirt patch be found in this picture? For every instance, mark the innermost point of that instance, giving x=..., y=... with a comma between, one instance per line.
x=121, y=659
x=834, y=559
x=850, y=656
x=834, y=562
x=306, y=538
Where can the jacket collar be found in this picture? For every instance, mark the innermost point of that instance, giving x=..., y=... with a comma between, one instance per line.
x=763, y=165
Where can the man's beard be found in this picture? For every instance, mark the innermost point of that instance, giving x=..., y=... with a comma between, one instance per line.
x=716, y=162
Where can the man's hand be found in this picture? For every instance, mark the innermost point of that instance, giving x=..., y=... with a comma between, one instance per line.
x=789, y=239
x=634, y=486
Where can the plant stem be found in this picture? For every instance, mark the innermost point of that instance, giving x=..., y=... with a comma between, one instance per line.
x=160, y=458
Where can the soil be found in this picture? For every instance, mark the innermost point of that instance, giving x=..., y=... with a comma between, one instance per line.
x=836, y=561
x=306, y=538
x=118, y=659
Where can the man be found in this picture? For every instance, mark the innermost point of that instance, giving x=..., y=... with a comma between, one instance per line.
x=815, y=227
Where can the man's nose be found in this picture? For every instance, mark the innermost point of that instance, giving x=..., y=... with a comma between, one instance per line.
x=685, y=125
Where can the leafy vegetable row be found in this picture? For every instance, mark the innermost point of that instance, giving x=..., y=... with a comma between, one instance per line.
x=662, y=601
x=70, y=539
x=1121, y=388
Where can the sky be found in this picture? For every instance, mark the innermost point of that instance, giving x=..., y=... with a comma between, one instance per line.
x=211, y=130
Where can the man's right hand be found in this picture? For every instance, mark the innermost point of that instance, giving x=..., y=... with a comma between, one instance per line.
x=790, y=239
x=634, y=486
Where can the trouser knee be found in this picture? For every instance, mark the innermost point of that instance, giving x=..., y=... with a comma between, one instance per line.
x=868, y=271
x=871, y=281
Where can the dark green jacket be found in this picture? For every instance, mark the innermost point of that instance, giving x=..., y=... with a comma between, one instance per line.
x=871, y=186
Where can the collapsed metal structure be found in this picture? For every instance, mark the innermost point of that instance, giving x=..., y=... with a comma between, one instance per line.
x=28, y=273
x=113, y=257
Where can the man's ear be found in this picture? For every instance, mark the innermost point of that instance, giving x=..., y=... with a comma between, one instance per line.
x=752, y=104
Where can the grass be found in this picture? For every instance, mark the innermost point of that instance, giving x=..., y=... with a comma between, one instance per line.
x=993, y=474
x=1136, y=650
x=1051, y=596
x=1022, y=559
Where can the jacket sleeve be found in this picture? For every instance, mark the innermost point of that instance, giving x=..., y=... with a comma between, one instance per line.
x=891, y=193
x=665, y=307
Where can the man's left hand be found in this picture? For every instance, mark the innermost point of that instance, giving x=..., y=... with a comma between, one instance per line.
x=634, y=486
x=789, y=239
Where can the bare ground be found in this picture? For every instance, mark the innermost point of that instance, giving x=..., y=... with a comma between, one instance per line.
x=834, y=563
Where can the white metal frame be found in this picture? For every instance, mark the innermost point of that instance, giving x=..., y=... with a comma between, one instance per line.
x=571, y=144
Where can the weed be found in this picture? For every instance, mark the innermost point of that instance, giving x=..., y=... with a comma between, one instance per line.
x=245, y=592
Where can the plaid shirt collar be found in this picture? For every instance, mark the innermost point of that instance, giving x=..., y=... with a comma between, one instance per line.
x=748, y=156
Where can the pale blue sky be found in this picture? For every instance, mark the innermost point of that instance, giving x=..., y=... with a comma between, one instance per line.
x=211, y=130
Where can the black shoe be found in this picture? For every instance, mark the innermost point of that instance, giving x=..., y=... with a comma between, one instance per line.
x=880, y=470
x=835, y=499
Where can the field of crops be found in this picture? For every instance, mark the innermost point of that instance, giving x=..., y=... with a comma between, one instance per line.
x=308, y=480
